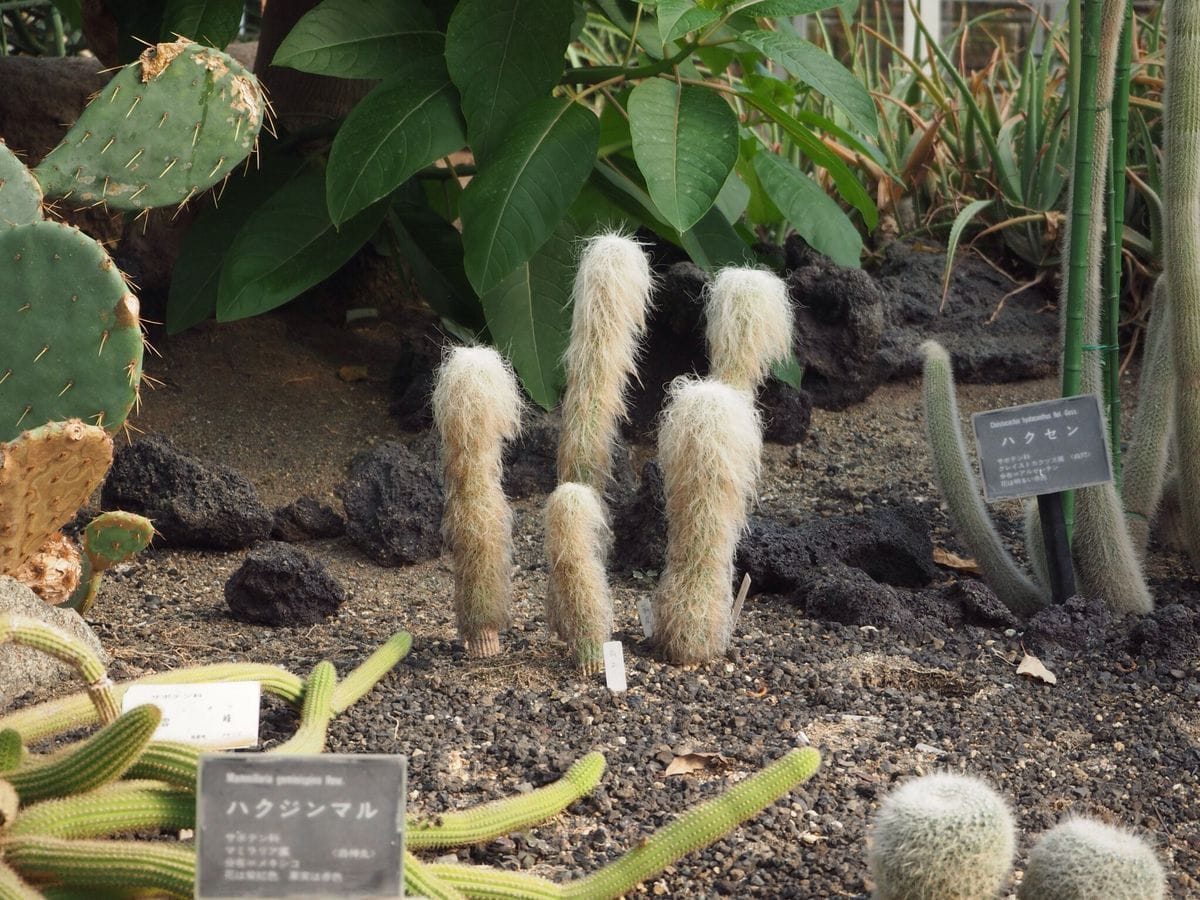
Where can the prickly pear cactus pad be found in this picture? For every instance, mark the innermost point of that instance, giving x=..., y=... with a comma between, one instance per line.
x=45, y=476
x=113, y=537
x=20, y=196
x=164, y=129
x=70, y=339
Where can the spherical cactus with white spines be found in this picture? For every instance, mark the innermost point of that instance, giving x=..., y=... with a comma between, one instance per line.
x=1082, y=858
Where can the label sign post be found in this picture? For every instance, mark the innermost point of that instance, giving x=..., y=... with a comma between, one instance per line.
x=1041, y=450
x=300, y=826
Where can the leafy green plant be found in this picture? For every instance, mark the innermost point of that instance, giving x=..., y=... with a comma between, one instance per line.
x=685, y=118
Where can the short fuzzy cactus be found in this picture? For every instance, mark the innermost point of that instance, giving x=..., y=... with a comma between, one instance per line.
x=578, y=600
x=709, y=443
x=945, y=836
x=477, y=408
x=1082, y=859
x=749, y=326
x=611, y=297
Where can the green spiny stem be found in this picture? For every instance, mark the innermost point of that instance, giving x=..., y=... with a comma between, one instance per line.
x=112, y=809
x=100, y=759
x=20, y=194
x=108, y=539
x=496, y=884
x=54, y=892
x=491, y=820
x=1181, y=245
x=699, y=826
x=956, y=480
x=32, y=633
x=12, y=750
x=315, y=713
x=420, y=882
x=12, y=887
x=370, y=671
x=104, y=864
x=67, y=713
x=167, y=761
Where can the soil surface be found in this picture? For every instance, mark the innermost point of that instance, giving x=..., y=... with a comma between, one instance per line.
x=1118, y=735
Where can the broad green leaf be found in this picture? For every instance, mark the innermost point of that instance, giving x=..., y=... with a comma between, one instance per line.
x=529, y=315
x=197, y=272
x=512, y=206
x=285, y=247
x=769, y=9
x=734, y=197
x=809, y=210
x=818, y=69
x=403, y=125
x=761, y=209
x=352, y=39
x=211, y=22
x=433, y=250
x=712, y=243
x=685, y=143
x=678, y=17
x=502, y=55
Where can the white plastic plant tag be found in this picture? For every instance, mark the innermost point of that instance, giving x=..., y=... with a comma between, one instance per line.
x=743, y=591
x=646, y=615
x=221, y=715
x=614, y=666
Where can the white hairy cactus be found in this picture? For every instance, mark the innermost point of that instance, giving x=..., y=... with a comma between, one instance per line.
x=749, y=326
x=578, y=601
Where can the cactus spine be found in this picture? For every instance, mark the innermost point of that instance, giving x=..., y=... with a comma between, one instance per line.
x=956, y=480
x=611, y=296
x=20, y=194
x=1081, y=858
x=114, y=808
x=63, y=647
x=579, y=606
x=477, y=408
x=944, y=835
x=749, y=326
x=315, y=714
x=709, y=444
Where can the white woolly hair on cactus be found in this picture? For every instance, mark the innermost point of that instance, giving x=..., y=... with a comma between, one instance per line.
x=476, y=408
x=1081, y=859
x=611, y=296
x=946, y=836
x=579, y=607
x=749, y=325
x=709, y=442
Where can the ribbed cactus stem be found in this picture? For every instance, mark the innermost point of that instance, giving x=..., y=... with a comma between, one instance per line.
x=484, y=883
x=709, y=444
x=67, y=713
x=359, y=682
x=579, y=606
x=1081, y=859
x=610, y=299
x=477, y=408
x=315, y=714
x=104, y=864
x=12, y=887
x=749, y=326
x=28, y=632
x=1145, y=469
x=960, y=491
x=699, y=826
x=1181, y=244
x=168, y=761
x=419, y=881
x=101, y=758
x=114, y=808
x=12, y=750
x=492, y=820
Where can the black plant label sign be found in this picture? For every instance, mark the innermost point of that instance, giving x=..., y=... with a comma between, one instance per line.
x=329, y=825
x=1042, y=448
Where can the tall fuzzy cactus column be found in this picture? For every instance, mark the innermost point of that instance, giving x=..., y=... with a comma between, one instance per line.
x=611, y=296
x=1181, y=244
x=708, y=447
x=749, y=326
x=578, y=600
x=477, y=407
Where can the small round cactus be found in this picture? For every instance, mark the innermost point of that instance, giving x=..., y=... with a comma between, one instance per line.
x=1082, y=858
x=943, y=836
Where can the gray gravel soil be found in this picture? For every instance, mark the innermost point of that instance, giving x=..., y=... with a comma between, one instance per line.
x=1117, y=737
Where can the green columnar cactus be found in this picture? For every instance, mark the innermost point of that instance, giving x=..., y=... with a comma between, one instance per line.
x=315, y=714
x=1181, y=245
x=956, y=480
x=1145, y=468
x=32, y=633
x=367, y=674
x=103, y=864
x=579, y=606
x=709, y=445
x=12, y=751
x=20, y=194
x=114, y=808
x=611, y=297
x=1080, y=859
x=420, y=882
x=169, y=762
x=749, y=326
x=167, y=127
x=477, y=409
x=1035, y=545
x=100, y=759
x=501, y=817
x=944, y=835
x=109, y=539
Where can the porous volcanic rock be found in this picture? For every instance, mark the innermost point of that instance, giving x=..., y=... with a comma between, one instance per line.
x=279, y=584
x=393, y=505
x=306, y=518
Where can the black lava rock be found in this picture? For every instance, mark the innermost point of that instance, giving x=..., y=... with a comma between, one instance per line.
x=207, y=507
x=306, y=518
x=979, y=604
x=393, y=506
x=279, y=584
x=1078, y=624
x=787, y=412
x=531, y=461
x=640, y=526
x=841, y=593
